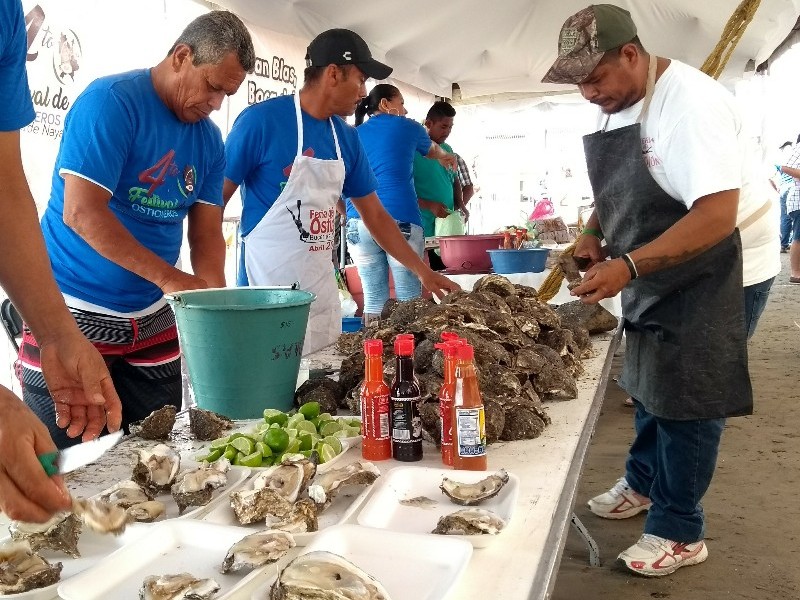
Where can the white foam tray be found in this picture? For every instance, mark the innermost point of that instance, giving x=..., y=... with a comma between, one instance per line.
x=176, y=546
x=410, y=567
x=92, y=546
x=382, y=509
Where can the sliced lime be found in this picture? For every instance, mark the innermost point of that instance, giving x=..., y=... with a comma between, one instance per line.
x=273, y=415
x=220, y=442
x=334, y=442
x=306, y=426
x=326, y=452
x=250, y=460
x=309, y=410
x=329, y=428
x=276, y=439
x=230, y=453
x=245, y=445
x=306, y=440
x=265, y=450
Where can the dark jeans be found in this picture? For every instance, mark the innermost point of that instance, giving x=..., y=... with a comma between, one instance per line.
x=755, y=299
x=786, y=222
x=672, y=463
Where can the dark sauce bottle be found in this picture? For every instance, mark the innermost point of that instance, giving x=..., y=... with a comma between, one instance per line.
x=405, y=397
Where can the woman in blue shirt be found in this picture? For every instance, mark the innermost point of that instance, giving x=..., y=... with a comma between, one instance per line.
x=390, y=141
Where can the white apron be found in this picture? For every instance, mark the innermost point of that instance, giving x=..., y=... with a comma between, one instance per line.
x=293, y=241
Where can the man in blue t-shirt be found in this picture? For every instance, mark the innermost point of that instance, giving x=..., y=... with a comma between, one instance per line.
x=138, y=156
x=294, y=157
x=74, y=370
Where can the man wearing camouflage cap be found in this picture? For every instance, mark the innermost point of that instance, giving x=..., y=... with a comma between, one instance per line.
x=666, y=169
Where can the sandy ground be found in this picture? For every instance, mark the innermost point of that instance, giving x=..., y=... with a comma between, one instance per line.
x=752, y=513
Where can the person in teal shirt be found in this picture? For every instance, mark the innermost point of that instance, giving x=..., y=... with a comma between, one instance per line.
x=438, y=190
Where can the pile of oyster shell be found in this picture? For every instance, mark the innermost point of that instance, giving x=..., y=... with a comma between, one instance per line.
x=526, y=352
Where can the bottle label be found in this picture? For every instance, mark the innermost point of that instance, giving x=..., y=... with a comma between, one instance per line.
x=470, y=429
x=406, y=421
x=375, y=417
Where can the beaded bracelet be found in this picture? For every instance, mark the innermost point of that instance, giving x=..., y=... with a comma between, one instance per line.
x=595, y=232
x=631, y=265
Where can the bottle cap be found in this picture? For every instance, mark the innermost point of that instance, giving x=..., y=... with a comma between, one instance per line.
x=409, y=337
x=466, y=352
x=450, y=347
x=373, y=347
x=449, y=336
x=403, y=347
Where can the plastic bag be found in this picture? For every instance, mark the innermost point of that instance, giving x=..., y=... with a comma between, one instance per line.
x=543, y=209
x=452, y=224
x=349, y=306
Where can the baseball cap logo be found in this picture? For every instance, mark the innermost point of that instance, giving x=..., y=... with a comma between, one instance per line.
x=347, y=55
x=568, y=41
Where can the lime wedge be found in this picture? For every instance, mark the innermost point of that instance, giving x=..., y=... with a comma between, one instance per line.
x=326, y=452
x=276, y=439
x=220, y=442
x=306, y=441
x=265, y=450
x=294, y=420
x=273, y=415
x=329, y=428
x=230, y=453
x=334, y=443
x=309, y=410
x=306, y=426
x=250, y=460
x=292, y=447
x=245, y=445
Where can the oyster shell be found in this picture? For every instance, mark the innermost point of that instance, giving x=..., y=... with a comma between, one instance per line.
x=257, y=549
x=468, y=494
x=124, y=494
x=497, y=284
x=323, y=574
x=470, y=521
x=196, y=486
x=254, y=505
x=323, y=390
x=207, y=425
x=301, y=518
x=182, y=586
x=60, y=533
x=289, y=479
x=22, y=570
x=326, y=486
x=100, y=516
x=157, y=425
x=156, y=468
x=147, y=512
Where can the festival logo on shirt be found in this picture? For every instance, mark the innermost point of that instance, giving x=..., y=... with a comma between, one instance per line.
x=145, y=201
x=648, y=152
x=320, y=227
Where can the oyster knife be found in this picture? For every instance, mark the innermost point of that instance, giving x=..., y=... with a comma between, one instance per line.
x=69, y=459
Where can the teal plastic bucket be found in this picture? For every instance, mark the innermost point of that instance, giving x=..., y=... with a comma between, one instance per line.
x=242, y=346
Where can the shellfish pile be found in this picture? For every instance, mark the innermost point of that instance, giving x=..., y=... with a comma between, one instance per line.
x=526, y=352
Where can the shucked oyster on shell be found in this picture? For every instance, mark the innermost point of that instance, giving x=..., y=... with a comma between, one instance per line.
x=257, y=549
x=60, y=533
x=181, y=586
x=124, y=494
x=327, y=485
x=470, y=521
x=147, y=512
x=289, y=478
x=196, y=486
x=157, y=468
x=22, y=570
x=100, y=516
x=468, y=494
x=325, y=575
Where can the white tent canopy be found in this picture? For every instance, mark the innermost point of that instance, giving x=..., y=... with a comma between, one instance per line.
x=490, y=47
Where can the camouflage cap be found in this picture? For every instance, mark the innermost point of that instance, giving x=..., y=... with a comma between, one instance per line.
x=585, y=37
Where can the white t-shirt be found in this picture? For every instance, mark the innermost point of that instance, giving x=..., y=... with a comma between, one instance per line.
x=694, y=145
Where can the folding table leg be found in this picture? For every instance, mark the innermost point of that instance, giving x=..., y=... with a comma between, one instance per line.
x=591, y=545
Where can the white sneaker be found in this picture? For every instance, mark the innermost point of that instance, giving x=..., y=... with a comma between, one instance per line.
x=655, y=556
x=620, y=502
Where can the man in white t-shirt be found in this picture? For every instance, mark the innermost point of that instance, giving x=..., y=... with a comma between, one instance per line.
x=680, y=203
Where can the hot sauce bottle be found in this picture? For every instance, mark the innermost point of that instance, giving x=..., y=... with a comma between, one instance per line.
x=447, y=395
x=376, y=441
x=405, y=397
x=469, y=423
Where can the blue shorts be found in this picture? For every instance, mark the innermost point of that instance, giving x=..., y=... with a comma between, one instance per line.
x=795, y=217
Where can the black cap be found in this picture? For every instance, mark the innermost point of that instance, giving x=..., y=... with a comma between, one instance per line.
x=344, y=47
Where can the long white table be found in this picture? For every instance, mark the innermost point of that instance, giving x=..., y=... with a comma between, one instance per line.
x=522, y=562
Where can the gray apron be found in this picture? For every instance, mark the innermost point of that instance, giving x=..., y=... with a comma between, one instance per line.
x=686, y=347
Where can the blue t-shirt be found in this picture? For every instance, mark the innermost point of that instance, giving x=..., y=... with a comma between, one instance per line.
x=391, y=143
x=261, y=147
x=17, y=109
x=120, y=135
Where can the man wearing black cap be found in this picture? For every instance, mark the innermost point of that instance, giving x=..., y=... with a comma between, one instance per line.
x=294, y=157
x=674, y=192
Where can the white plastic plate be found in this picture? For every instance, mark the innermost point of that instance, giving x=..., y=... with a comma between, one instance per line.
x=410, y=567
x=383, y=509
x=344, y=504
x=176, y=546
x=93, y=547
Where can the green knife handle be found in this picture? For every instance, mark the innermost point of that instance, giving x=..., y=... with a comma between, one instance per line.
x=48, y=461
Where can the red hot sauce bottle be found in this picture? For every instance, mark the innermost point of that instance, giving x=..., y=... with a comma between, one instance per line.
x=446, y=396
x=469, y=423
x=376, y=441
x=405, y=397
